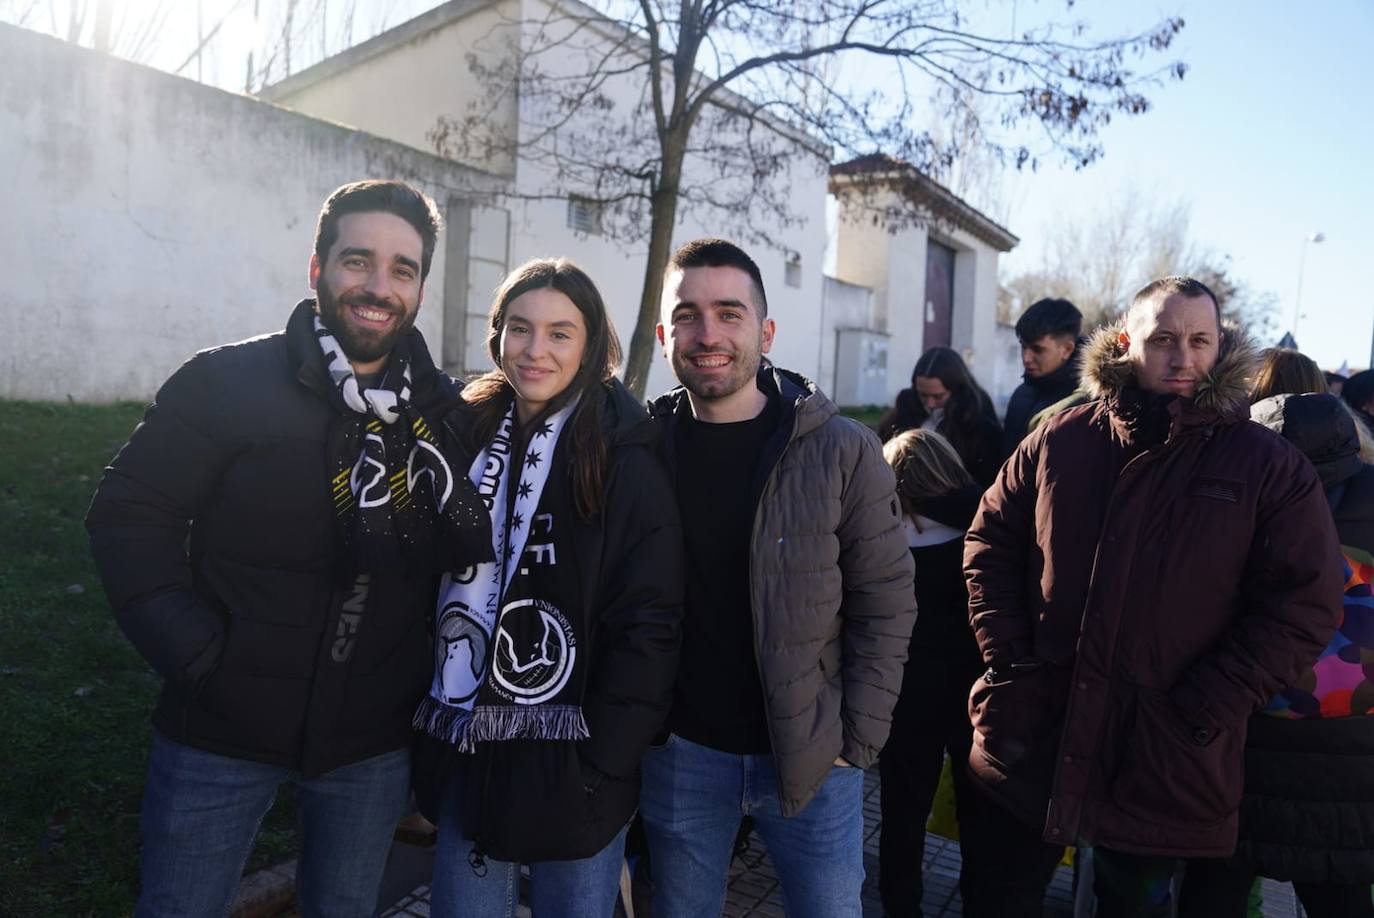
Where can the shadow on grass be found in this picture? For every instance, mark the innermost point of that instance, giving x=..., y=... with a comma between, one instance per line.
x=74, y=696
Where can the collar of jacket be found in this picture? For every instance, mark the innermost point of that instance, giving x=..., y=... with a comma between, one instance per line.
x=801, y=398
x=307, y=359
x=1062, y=380
x=1223, y=394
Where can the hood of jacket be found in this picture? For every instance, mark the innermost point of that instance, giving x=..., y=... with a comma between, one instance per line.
x=1225, y=389
x=1318, y=425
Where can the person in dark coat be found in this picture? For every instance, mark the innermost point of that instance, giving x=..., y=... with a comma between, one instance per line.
x=1148, y=570
x=938, y=502
x=271, y=538
x=554, y=668
x=1358, y=393
x=1048, y=331
x=945, y=397
x=1308, y=809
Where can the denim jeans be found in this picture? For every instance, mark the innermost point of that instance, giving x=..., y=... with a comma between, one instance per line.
x=202, y=810
x=585, y=888
x=692, y=800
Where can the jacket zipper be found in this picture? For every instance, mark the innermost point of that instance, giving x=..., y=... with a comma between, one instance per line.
x=754, y=606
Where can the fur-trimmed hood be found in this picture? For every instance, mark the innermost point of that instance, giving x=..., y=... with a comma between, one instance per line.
x=1225, y=389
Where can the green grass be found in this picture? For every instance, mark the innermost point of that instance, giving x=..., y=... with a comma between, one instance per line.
x=74, y=695
x=865, y=414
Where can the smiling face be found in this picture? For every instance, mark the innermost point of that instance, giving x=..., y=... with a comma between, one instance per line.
x=715, y=336
x=542, y=340
x=369, y=287
x=1172, y=343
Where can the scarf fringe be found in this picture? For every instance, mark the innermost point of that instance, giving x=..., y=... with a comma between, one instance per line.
x=546, y=722
x=494, y=723
x=441, y=721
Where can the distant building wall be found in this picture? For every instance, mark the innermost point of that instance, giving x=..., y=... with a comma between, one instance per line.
x=150, y=216
x=892, y=263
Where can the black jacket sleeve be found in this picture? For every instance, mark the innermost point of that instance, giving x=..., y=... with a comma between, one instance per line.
x=639, y=606
x=139, y=520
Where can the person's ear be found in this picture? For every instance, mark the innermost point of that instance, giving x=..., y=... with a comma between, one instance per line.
x=314, y=271
x=1123, y=339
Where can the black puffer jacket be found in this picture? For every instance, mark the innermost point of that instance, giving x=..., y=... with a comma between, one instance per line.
x=1308, y=810
x=243, y=631
x=534, y=800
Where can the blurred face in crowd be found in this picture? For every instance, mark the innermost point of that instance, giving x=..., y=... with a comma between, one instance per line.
x=1173, y=342
x=1046, y=354
x=369, y=287
x=932, y=393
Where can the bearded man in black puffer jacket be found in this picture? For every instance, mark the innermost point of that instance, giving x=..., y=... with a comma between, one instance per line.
x=271, y=539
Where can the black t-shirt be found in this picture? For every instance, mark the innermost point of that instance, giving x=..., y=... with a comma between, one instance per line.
x=719, y=700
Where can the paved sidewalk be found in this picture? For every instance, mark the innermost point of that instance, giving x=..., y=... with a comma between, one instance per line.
x=752, y=889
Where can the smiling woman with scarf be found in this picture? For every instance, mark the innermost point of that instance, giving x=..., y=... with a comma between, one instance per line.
x=554, y=665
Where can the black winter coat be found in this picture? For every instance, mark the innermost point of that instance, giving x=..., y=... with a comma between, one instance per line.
x=242, y=621
x=536, y=800
x=1308, y=810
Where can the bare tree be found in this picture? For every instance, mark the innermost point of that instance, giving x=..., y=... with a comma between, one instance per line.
x=1099, y=264
x=742, y=89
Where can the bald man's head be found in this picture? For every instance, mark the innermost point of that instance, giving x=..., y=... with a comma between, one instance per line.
x=1172, y=335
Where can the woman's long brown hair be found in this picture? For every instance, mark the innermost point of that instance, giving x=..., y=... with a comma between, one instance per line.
x=490, y=395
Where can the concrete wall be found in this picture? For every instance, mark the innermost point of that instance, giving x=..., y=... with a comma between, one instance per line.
x=152, y=216
x=892, y=263
x=400, y=92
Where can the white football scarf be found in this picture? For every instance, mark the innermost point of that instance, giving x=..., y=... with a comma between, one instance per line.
x=470, y=618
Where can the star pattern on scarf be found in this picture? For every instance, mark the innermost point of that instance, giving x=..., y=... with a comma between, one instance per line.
x=517, y=521
x=525, y=489
x=544, y=430
x=532, y=459
x=510, y=551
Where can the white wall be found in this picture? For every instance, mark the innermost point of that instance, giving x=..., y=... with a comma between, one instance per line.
x=893, y=264
x=400, y=93
x=150, y=216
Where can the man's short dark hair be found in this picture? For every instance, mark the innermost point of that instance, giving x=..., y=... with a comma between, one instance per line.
x=380, y=196
x=1186, y=287
x=1049, y=317
x=720, y=253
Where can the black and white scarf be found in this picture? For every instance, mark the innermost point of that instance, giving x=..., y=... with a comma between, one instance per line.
x=389, y=481
x=507, y=661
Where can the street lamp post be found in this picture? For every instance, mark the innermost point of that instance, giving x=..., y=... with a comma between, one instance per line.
x=1317, y=237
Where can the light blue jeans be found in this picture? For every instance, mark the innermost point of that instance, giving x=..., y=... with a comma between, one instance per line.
x=692, y=800
x=202, y=810
x=585, y=888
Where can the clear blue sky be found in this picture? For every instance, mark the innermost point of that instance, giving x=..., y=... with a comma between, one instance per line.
x=1270, y=137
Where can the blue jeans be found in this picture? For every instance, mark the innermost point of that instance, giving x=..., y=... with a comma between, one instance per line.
x=585, y=888
x=692, y=800
x=202, y=810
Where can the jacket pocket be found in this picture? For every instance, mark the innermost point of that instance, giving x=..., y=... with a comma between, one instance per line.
x=1017, y=718
x=1174, y=773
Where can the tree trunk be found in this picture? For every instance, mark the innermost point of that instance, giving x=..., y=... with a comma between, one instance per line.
x=662, y=218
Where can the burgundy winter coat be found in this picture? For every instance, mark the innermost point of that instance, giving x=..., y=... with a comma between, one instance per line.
x=1144, y=574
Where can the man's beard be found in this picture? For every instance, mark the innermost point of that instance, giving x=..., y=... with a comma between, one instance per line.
x=743, y=370
x=359, y=344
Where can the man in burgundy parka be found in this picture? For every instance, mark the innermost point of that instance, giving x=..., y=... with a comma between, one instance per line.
x=1147, y=570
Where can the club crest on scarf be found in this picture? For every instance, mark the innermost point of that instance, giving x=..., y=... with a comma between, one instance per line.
x=504, y=660
x=390, y=482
